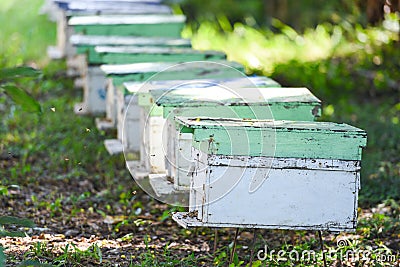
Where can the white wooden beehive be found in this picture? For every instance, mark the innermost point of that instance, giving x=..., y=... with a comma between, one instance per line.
x=273, y=102
x=152, y=116
x=307, y=173
x=152, y=123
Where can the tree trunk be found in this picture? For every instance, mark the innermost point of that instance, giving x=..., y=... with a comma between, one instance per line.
x=375, y=12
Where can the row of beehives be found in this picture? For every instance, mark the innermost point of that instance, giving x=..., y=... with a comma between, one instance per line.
x=241, y=151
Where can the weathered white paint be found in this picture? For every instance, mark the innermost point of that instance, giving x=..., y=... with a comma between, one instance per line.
x=155, y=67
x=112, y=8
x=178, y=145
x=128, y=121
x=151, y=49
x=111, y=105
x=152, y=152
x=297, y=193
x=63, y=34
x=95, y=40
x=239, y=82
x=121, y=20
x=113, y=146
x=94, y=93
x=200, y=101
x=183, y=160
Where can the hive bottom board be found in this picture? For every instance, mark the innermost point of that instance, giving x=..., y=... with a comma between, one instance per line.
x=188, y=220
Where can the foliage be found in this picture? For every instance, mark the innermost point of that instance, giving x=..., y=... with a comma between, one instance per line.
x=10, y=220
x=259, y=13
x=8, y=78
x=24, y=40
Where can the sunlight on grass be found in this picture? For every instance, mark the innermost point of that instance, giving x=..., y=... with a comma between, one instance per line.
x=263, y=50
x=26, y=35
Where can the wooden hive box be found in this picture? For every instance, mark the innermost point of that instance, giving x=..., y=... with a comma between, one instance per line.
x=67, y=9
x=95, y=86
x=86, y=62
x=265, y=102
x=168, y=26
x=152, y=149
x=135, y=54
x=273, y=174
x=124, y=25
x=85, y=44
x=116, y=8
x=118, y=97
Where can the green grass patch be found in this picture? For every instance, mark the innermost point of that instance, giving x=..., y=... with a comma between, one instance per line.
x=24, y=34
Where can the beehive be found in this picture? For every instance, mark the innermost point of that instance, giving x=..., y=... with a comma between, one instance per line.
x=125, y=25
x=150, y=112
x=273, y=174
x=141, y=72
x=265, y=102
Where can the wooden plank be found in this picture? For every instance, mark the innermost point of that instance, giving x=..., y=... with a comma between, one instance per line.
x=281, y=163
x=141, y=72
x=126, y=20
x=98, y=40
x=127, y=121
x=276, y=138
x=136, y=54
x=290, y=195
x=138, y=25
x=188, y=220
x=113, y=146
x=246, y=81
x=85, y=44
x=160, y=87
x=111, y=8
x=94, y=94
x=221, y=95
x=64, y=4
x=281, y=103
x=154, y=50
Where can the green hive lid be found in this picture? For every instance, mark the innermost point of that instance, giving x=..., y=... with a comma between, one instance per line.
x=96, y=40
x=154, y=67
x=125, y=20
x=217, y=95
x=257, y=81
x=153, y=50
x=283, y=139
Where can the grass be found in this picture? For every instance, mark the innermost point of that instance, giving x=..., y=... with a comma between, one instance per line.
x=22, y=24
x=54, y=168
